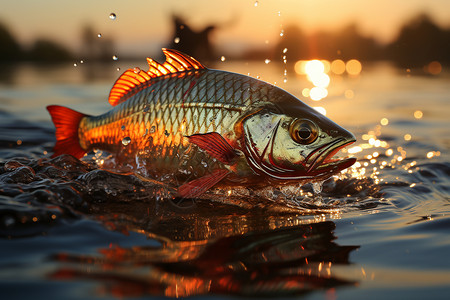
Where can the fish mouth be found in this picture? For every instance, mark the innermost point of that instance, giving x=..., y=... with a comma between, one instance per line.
x=323, y=161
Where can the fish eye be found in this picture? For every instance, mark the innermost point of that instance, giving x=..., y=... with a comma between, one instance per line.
x=303, y=131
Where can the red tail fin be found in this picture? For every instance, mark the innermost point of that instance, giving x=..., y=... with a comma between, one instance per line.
x=66, y=122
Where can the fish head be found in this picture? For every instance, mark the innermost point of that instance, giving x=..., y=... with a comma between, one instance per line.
x=288, y=140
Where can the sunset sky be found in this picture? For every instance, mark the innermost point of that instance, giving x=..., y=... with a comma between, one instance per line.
x=143, y=26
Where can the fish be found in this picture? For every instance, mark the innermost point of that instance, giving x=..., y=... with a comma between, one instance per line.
x=198, y=127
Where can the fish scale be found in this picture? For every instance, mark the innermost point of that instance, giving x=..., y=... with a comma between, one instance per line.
x=210, y=105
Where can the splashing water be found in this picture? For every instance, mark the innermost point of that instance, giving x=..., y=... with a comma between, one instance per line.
x=317, y=187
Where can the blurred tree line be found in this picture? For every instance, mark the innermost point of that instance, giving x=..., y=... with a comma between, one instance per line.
x=419, y=42
x=41, y=50
x=45, y=50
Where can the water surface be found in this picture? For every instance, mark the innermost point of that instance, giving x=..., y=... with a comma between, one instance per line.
x=71, y=230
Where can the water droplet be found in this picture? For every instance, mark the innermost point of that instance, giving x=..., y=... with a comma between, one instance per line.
x=256, y=3
x=166, y=133
x=126, y=141
x=112, y=16
x=118, y=69
x=75, y=64
x=8, y=221
x=317, y=187
x=99, y=35
x=282, y=32
x=204, y=164
x=123, y=127
x=222, y=58
x=267, y=61
x=115, y=57
x=152, y=129
x=136, y=70
x=81, y=61
x=176, y=40
x=285, y=50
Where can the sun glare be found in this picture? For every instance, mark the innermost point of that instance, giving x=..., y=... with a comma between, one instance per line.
x=317, y=72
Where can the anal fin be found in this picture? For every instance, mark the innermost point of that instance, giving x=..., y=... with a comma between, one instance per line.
x=196, y=187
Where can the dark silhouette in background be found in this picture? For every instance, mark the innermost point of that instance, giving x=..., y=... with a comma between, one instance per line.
x=418, y=43
x=48, y=51
x=9, y=48
x=195, y=43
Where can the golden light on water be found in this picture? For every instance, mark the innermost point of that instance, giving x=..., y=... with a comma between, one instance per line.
x=432, y=154
x=314, y=67
x=355, y=149
x=353, y=67
x=299, y=67
x=305, y=92
x=316, y=71
x=318, y=93
x=338, y=67
x=320, y=80
x=384, y=121
x=407, y=137
x=418, y=114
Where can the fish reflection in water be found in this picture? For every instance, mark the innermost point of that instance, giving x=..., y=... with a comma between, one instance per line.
x=223, y=256
x=212, y=248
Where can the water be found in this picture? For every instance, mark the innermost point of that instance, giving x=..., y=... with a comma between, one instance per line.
x=69, y=230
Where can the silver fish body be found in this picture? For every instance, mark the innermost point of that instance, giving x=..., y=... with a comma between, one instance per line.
x=203, y=125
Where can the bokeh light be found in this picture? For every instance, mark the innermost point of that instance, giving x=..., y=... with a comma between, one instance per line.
x=315, y=71
x=320, y=109
x=349, y=94
x=353, y=67
x=305, y=92
x=318, y=93
x=338, y=67
x=434, y=68
x=418, y=114
x=314, y=67
x=320, y=80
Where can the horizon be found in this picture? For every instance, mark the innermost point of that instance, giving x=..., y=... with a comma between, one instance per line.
x=242, y=25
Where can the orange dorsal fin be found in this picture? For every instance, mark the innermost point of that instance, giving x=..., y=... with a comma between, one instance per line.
x=175, y=62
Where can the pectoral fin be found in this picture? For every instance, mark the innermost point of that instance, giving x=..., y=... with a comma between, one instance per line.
x=215, y=145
